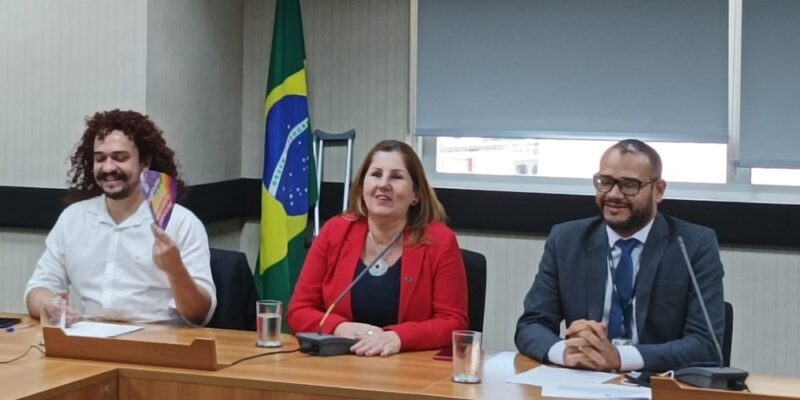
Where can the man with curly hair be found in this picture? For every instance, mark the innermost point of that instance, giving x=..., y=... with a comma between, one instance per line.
x=121, y=265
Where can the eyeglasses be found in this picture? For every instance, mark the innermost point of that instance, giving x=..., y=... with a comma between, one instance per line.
x=628, y=186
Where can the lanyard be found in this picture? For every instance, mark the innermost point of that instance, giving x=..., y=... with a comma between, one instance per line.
x=627, y=307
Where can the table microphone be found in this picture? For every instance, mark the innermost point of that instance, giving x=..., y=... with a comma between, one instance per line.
x=721, y=377
x=323, y=344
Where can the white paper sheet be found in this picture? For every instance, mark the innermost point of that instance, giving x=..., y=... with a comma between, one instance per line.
x=544, y=375
x=100, y=329
x=501, y=358
x=595, y=391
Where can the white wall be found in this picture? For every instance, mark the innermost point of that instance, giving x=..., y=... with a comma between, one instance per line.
x=762, y=286
x=194, y=83
x=257, y=42
x=357, y=71
x=19, y=250
x=60, y=63
x=178, y=61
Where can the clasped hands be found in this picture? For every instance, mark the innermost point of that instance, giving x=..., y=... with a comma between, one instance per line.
x=372, y=340
x=588, y=347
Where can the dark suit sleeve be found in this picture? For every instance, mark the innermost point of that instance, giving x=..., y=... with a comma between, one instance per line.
x=696, y=344
x=538, y=327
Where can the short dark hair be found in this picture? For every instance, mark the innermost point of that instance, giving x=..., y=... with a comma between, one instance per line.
x=638, y=146
x=147, y=137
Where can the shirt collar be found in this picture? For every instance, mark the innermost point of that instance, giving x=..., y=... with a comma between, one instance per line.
x=98, y=208
x=640, y=235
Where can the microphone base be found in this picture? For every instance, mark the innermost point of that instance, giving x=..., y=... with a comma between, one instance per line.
x=724, y=378
x=320, y=344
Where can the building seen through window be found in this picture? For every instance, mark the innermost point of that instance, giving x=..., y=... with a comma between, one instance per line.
x=563, y=158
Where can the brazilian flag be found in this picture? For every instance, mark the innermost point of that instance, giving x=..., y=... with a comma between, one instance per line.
x=289, y=186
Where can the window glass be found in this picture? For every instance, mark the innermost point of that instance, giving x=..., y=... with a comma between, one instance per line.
x=683, y=162
x=771, y=176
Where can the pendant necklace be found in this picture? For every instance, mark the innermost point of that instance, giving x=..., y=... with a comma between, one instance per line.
x=381, y=266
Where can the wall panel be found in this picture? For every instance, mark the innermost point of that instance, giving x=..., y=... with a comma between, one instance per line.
x=194, y=83
x=357, y=70
x=63, y=61
x=19, y=251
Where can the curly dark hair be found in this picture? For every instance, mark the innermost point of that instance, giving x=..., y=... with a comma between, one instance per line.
x=147, y=137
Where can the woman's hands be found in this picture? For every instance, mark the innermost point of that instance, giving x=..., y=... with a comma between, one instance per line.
x=355, y=330
x=384, y=343
x=372, y=340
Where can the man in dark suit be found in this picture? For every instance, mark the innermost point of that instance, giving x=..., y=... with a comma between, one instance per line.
x=619, y=281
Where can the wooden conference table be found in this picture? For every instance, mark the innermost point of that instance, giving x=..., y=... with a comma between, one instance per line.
x=293, y=376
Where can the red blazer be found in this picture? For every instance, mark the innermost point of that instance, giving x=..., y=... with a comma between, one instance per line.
x=433, y=288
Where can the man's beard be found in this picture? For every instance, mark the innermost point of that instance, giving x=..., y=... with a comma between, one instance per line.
x=124, y=192
x=637, y=220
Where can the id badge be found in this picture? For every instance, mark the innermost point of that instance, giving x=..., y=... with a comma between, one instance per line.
x=622, y=342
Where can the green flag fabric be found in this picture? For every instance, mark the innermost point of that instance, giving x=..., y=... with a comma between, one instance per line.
x=289, y=186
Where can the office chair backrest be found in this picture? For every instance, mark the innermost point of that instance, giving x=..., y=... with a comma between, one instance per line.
x=236, y=291
x=475, y=265
x=728, y=335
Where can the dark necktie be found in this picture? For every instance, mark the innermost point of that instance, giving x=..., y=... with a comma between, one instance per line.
x=620, y=319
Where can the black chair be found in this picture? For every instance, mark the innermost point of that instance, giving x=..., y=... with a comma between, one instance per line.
x=475, y=265
x=728, y=338
x=236, y=291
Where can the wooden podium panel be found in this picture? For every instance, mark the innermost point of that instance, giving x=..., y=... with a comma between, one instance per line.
x=201, y=353
x=164, y=345
x=293, y=376
x=231, y=345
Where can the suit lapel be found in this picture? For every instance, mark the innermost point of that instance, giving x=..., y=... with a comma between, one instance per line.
x=596, y=260
x=649, y=262
x=352, y=247
x=410, y=269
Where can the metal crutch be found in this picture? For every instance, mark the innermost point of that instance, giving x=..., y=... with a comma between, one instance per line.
x=320, y=138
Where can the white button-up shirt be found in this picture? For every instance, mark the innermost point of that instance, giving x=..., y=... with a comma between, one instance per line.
x=110, y=266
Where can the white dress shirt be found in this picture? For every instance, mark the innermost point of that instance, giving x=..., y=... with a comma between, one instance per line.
x=110, y=266
x=630, y=358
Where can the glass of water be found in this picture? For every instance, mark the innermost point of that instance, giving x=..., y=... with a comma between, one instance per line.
x=268, y=322
x=466, y=356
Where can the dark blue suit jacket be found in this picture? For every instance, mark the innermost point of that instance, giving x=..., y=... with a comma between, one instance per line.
x=571, y=284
